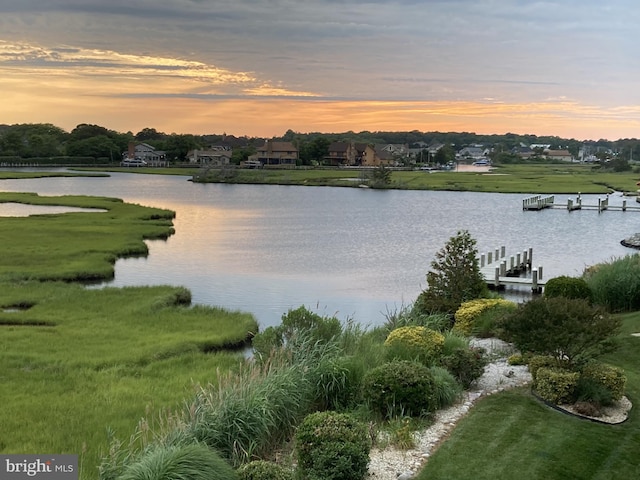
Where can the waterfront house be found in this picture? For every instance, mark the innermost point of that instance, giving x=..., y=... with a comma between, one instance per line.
x=216, y=156
x=146, y=153
x=345, y=153
x=274, y=153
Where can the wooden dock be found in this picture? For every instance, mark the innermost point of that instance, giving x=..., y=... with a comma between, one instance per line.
x=500, y=272
x=538, y=202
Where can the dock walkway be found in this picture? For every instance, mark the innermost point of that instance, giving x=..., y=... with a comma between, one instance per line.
x=517, y=271
x=538, y=202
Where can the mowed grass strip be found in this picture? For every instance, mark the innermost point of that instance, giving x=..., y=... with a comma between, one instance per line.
x=77, y=363
x=513, y=435
x=543, y=179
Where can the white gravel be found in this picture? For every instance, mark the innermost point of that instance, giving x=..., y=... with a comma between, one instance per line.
x=392, y=464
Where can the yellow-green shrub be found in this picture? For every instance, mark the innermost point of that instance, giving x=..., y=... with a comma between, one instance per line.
x=536, y=362
x=517, y=359
x=610, y=377
x=556, y=385
x=414, y=343
x=467, y=315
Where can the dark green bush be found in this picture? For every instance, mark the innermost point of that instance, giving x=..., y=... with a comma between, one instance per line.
x=264, y=470
x=332, y=446
x=400, y=388
x=568, y=287
x=454, y=277
x=566, y=328
x=611, y=378
x=556, y=385
x=593, y=392
x=187, y=462
x=465, y=364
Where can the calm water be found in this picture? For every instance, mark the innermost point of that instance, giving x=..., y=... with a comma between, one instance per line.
x=352, y=252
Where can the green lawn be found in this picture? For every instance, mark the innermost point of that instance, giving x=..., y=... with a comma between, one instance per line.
x=513, y=435
x=516, y=178
x=542, y=178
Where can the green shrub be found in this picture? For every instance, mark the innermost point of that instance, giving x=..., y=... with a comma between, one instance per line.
x=296, y=323
x=517, y=359
x=468, y=316
x=400, y=388
x=264, y=470
x=536, y=362
x=566, y=328
x=611, y=378
x=616, y=285
x=568, y=287
x=332, y=445
x=465, y=364
x=414, y=343
x=556, y=385
x=188, y=462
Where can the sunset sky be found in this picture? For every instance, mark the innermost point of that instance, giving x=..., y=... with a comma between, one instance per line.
x=559, y=67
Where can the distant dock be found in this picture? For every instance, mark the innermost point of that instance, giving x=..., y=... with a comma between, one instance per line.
x=538, y=202
x=499, y=271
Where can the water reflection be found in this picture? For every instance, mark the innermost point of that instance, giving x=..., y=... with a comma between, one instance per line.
x=10, y=209
x=353, y=252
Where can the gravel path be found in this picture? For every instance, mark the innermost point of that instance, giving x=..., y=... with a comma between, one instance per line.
x=392, y=464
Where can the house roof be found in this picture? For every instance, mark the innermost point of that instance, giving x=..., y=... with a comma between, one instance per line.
x=382, y=152
x=272, y=146
x=558, y=153
x=338, y=147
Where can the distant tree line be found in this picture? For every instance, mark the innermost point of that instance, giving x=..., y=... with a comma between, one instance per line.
x=44, y=140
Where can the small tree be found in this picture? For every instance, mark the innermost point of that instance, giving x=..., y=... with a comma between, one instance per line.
x=380, y=177
x=568, y=329
x=455, y=277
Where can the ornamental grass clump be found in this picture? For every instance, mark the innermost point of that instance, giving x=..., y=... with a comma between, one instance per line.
x=186, y=462
x=616, y=284
x=414, y=343
x=609, y=377
x=332, y=445
x=251, y=411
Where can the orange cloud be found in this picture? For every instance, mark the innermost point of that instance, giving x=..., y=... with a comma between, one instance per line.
x=67, y=86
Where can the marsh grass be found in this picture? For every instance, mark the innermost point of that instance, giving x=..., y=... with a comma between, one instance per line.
x=77, y=246
x=110, y=357
x=79, y=363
